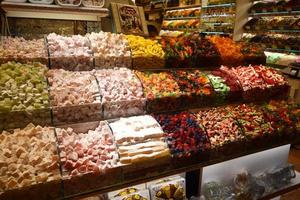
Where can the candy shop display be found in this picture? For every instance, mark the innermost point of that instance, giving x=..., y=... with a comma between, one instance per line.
x=121, y=92
x=251, y=120
x=229, y=50
x=161, y=90
x=164, y=190
x=110, y=49
x=24, y=95
x=184, y=136
x=221, y=128
x=29, y=157
x=87, y=151
x=195, y=86
x=145, y=53
x=70, y=53
x=74, y=96
x=221, y=90
x=21, y=50
x=139, y=139
x=253, y=85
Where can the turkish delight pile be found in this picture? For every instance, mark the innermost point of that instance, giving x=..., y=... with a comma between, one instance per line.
x=28, y=156
x=121, y=91
x=110, y=50
x=70, y=53
x=20, y=50
x=139, y=138
x=93, y=151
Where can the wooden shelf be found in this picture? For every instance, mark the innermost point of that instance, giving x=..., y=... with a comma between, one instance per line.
x=41, y=11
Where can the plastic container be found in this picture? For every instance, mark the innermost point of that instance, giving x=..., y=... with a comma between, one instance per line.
x=41, y=1
x=66, y=4
x=93, y=3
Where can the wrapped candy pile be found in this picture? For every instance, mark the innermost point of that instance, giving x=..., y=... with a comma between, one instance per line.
x=139, y=138
x=184, y=135
x=23, y=87
x=74, y=96
x=253, y=85
x=161, y=90
x=221, y=89
x=121, y=91
x=221, y=128
x=146, y=53
x=93, y=151
x=20, y=50
x=28, y=157
x=70, y=53
x=251, y=119
x=274, y=79
x=110, y=49
x=229, y=50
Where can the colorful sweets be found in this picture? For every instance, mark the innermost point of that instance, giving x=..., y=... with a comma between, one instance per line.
x=221, y=128
x=253, y=85
x=161, y=90
x=229, y=50
x=251, y=120
x=184, y=135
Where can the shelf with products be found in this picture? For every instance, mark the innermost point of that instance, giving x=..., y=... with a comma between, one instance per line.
x=279, y=7
x=219, y=5
x=163, y=90
x=282, y=13
x=183, y=7
x=179, y=18
x=42, y=11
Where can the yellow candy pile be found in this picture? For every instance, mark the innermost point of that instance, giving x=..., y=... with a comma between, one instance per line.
x=146, y=53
